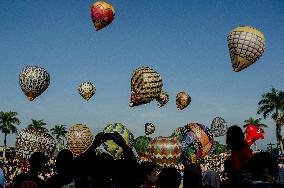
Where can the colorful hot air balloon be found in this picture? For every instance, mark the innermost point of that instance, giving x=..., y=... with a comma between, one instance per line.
x=178, y=132
x=79, y=139
x=246, y=45
x=218, y=127
x=142, y=147
x=33, y=81
x=182, y=100
x=149, y=128
x=253, y=133
x=197, y=141
x=165, y=151
x=102, y=14
x=163, y=99
x=146, y=85
x=31, y=140
x=87, y=90
x=110, y=146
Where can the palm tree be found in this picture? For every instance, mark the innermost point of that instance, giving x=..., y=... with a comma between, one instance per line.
x=272, y=103
x=38, y=125
x=8, y=122
x=252, y=121
x=60, y=133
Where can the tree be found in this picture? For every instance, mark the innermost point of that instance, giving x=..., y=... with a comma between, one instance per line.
x=252, y=121
x=38, y=125
x=8, y=123
x=60, y=132
x=272, y=103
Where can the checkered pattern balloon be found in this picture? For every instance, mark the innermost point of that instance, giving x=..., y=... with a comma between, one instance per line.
x=87, y=90
x=33, y=81
x=79, y=139
x=31, y=140
x=165, y=151
x=197, y=141
x=110, y=146
x=218, y=127
x=246, y=45
x=146, y=85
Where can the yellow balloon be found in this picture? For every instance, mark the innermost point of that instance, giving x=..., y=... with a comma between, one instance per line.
x=246, y=45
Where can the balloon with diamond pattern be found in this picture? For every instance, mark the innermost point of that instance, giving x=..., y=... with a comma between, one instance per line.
x=87, y=90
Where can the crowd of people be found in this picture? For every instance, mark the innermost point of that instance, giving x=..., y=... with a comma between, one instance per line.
x=241, y=169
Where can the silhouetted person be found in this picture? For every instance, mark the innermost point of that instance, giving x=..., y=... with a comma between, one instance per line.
x=263, y=167
x=37, y=164
x=169, y=178
x=192, y=177
x=211, y=179
x=148, y=172
x=64, y=168
x=240, y=151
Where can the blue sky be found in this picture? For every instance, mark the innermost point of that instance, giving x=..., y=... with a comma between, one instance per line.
x=185, y=41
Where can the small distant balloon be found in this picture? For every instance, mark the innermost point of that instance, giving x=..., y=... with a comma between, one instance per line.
x=146, y=85
x=246, y=45
x=33, y=81
x=163, y=99
x=218, y=127
x=182, y=100
x=87, y=90
x=102, y=14
x=149, y=128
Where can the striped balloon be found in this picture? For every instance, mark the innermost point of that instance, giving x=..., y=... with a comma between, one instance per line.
x=79, y=139
x=110, y=146
x=146, y=85
x=246, y=45
x=165, y=151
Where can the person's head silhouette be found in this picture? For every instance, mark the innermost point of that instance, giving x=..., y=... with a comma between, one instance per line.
x=37, y=162
x=235, y=138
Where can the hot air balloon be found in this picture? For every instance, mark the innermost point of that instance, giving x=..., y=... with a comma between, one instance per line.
x=31, y=140
x=246, y=45
x=102, y=14
x=165, y=151
x=110, y=146
x=253, y=133
x=178, y=132
x=87, y=90
x=182, y=100
x=142, y=147
x=79, y=139
x=163, y=99
x=146, y=85
x=197, y=141
x=33, y=81
x=218, y=127
x=149, y=128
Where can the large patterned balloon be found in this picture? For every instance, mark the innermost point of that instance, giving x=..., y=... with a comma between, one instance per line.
x=218, y=127
x=246, y=45
x=165, y=151
x=146, y=85
x=31, y=140
x=182, y=100
x=142, y=147
x=149, y=128
x=197, y=141
x=102, y=14
x=79, y=139
x=111, y=147
x=87, y=90
x=33, y=81
x=163, y=99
